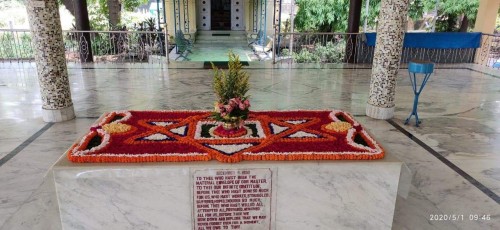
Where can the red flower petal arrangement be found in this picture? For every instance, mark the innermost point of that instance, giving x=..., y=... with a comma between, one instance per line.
x=158, y=136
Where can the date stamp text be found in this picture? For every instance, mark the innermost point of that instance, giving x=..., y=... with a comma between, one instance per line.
x=459, y=217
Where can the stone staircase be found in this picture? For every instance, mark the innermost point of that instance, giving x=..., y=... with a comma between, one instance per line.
x=214, y=46
x=226, y=37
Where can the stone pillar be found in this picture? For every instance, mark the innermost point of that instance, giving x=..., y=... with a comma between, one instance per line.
x=486, y=16
x=485, y=23
x=48, y=47
x=388, y=48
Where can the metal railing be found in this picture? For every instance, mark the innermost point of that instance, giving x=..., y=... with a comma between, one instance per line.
x=352, y=48
x=15, y=45
x=102, y=46
x=142, y=46
x=320, y=47
x=489, y=52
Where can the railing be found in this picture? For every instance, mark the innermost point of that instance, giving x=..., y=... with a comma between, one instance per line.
x=80, y=46
x=142, y=46
x=15, y=45
x=352, y=48
x=489, y=52
x=321, y=48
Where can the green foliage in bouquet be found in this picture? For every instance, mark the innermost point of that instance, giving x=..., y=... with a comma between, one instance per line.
x=232, y=84
x=231, y=88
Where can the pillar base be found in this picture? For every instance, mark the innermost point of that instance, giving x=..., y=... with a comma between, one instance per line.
x=379, y=112
x=58, y=115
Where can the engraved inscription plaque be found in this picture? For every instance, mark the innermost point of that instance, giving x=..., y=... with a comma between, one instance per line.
x=232, y=199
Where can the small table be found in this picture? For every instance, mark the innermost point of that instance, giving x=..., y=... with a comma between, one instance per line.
x=418, y=67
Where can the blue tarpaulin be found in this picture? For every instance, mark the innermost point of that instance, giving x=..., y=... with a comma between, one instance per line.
x=435, y=40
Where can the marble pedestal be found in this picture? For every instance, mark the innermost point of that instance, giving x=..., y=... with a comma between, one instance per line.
x=306, y=194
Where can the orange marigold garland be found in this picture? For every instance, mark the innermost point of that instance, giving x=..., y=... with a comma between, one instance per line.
x=116, y=128
x=155, y=136
x=338, y=126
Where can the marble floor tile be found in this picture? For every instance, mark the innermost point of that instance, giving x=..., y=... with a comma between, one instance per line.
x=458, y=108
x=413, y=213
x=488, y=170
x=396, y=142
x=217, y=51
x=16, y=131
x=24, y=173
x=18, y=183
x=39, y=211
x=469, y=143
x=452, y=194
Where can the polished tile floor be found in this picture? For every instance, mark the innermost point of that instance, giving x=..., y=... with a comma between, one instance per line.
x=218, y=51
x=454, y=156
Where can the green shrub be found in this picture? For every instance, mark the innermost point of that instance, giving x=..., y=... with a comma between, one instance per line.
x=285, y=52
x=331, y=52
x=101, y=44
x=14, y=46
x=304, y=56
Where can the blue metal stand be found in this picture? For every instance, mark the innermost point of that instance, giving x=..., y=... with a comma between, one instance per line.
x=418, y=67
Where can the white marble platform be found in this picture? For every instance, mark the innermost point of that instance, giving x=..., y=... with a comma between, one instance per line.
x=306, y=194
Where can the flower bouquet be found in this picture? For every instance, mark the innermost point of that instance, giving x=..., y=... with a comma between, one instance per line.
x=232, y=105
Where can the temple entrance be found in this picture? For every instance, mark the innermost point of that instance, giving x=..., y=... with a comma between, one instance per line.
x=220, y=27
x=221, y=15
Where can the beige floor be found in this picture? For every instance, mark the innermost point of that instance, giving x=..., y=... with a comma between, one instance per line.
x=459, y=108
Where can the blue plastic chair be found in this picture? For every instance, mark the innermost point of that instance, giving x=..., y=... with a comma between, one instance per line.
x=258, y=39
x=496, y=64
x=424, y=68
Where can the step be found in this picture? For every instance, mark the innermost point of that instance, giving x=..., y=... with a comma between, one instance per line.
x=221, y=38
x=242, y=43
x=231, y=32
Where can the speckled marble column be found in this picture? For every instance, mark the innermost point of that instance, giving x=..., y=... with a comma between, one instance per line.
x=388, y=48
x=48, y=45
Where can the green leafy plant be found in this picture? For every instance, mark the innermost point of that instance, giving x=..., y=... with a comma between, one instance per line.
x=231, y=87
x=331, y=52
x=332, y=15
x=285, y=52
x=305, y=56
x=112, y=9
x=15, y=45
x=153, y=43
x=101, y=44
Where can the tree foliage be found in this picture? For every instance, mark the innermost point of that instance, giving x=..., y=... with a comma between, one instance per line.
x=101, y=18
x=459, y=7
x=112, y=8
x=322, y=15
x=416, y=9
x=452, y=11
x=128, y=5
x=332, y=15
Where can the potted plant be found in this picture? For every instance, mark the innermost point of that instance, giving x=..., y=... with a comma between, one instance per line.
x=232, y=105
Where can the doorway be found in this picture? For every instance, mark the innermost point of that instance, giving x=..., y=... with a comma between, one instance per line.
x=221, y=15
